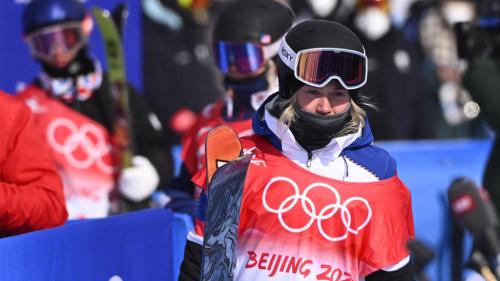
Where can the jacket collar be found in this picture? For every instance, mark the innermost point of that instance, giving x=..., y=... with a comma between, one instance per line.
x=269, y=127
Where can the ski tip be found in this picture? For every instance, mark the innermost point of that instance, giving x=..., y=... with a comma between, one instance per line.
x=222, y=146
x=100, y=12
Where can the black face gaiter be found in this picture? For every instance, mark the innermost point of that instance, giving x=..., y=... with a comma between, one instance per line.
x=314, y=131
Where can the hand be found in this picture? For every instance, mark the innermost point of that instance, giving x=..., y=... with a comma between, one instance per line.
x=139, y=181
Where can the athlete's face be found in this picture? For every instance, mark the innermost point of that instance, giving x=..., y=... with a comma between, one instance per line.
x=60, y=57
x=332, y=99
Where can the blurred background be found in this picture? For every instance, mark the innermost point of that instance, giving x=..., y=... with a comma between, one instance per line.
x=433, y=72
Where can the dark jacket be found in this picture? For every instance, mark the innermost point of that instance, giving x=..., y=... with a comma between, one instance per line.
x=482, y=79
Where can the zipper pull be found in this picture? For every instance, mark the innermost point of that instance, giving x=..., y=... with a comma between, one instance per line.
x=309, y=159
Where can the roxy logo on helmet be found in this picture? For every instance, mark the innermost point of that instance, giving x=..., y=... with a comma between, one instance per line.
x=286, y=54
x=307, y=206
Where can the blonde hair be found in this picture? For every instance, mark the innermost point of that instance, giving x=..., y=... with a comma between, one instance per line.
x=357, y=120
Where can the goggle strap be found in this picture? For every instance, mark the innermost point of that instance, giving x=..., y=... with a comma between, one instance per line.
x=287, y=55
x=56, y=28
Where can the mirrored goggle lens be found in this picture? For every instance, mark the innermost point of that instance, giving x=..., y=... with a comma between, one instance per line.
x=316, y=67
x=66, y=38
x=72, y=37
x=243, y=57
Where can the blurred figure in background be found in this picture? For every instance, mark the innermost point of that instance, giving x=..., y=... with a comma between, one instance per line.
x=179, y=76
x=32, y=195
x=245, y=39
x=439, y=43
x=334, y=10
x=396, y=82
x=74, y=110
x=482, y=79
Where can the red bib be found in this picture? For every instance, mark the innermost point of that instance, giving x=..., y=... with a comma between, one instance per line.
x=193, y=152
x=296, y=225
x=82, y=152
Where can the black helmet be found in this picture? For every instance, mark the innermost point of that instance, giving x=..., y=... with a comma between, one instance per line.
x=310, y=35
x=256, y=21
x=42, y=13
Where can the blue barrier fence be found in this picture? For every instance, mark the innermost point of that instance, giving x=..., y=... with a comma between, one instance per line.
x=145, y=245
x=427, y=168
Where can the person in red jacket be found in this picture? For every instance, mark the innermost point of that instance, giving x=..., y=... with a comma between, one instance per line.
x=31, y=191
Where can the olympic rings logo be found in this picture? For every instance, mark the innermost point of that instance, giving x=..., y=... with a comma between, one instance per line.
x=89, y=138
x=309, y=208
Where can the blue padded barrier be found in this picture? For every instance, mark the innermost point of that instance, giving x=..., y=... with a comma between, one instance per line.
x=135, y=246
x=427, y=168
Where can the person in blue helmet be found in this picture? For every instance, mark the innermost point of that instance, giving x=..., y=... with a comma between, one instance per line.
x=74, y=109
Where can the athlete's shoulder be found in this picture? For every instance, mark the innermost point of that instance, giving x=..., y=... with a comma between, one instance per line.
x=374, y=159
x=262, y=150
x=252, y=141
x=11, y=104
x=14, y=115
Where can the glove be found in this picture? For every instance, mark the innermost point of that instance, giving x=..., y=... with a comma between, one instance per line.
x=138, y=182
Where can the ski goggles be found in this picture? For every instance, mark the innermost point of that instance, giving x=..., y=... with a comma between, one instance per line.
x=317, y=67
x=69, y=37
x=243, y=57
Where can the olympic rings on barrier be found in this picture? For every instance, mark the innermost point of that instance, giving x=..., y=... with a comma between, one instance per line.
x=88, y=138
x=309, y=208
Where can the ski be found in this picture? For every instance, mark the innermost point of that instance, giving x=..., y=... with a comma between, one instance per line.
x=122, y=125
x=226, y=173
x=222, y=145
x=120, y=15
